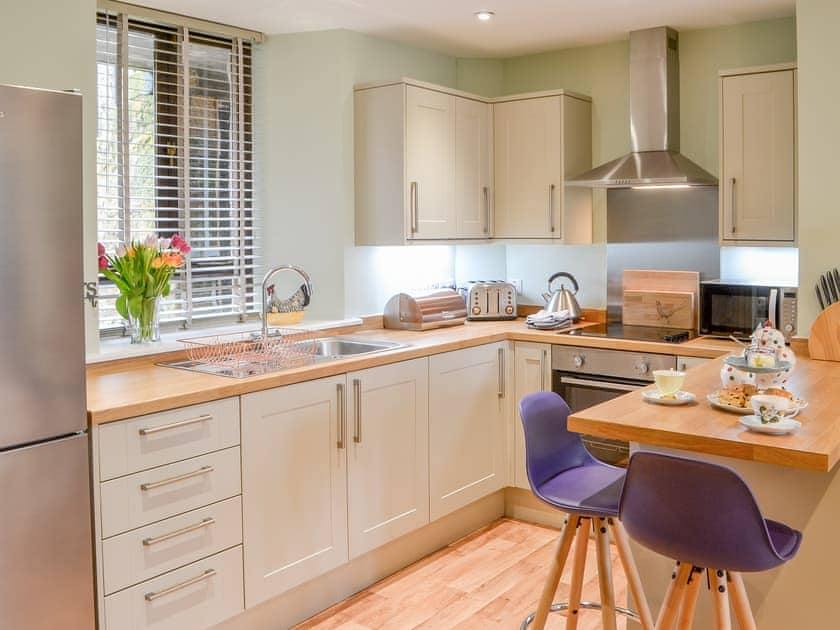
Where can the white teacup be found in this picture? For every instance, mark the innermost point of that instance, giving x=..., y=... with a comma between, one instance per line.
x=668, y=382
x=770, y=408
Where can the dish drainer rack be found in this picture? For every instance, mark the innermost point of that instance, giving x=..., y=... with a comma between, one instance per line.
x=249, y=354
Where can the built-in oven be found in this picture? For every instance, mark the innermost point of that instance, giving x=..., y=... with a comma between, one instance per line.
x=735, y=308
x=588, y=376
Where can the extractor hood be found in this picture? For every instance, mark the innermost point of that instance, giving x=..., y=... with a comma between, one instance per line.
x=654, y=122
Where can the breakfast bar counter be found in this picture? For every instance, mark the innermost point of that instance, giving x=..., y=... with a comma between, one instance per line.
x=794, y=478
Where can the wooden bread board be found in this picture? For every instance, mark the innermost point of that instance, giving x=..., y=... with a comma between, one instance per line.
x=666, y=281
x=824, y=338
x=665, y=309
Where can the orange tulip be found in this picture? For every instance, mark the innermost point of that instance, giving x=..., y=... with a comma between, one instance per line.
x=174, y=259
x=129, y=251
x=158, y=262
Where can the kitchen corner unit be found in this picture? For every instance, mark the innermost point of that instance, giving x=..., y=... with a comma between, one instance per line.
x=436, y=164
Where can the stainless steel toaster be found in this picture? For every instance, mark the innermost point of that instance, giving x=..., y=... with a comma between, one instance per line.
x=492, y=299
x=424, y=310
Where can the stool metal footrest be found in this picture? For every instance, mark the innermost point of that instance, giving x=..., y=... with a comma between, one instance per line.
x=631, y=614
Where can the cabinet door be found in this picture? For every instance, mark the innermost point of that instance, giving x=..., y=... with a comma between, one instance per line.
x=294, y=485
x=528, y=173
x=467, y=450
x=388, y=453
x=531, y=373
x=757, y=187
x=430, y=143
x=472, y=168
x=686, y=363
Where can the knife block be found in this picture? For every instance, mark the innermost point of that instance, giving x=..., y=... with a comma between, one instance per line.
x=824, y=338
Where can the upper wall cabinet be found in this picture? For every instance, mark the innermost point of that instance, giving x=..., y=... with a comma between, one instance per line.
x=423, y=165
x=539, y=141
x=758, y=156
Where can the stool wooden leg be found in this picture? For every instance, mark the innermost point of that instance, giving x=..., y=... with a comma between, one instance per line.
x=625, y=554
x=689, y=602
x=555, y=571
x=673, y=597
x=720, y=599
x=740, y=602
x=605, y=581
x=578, y=566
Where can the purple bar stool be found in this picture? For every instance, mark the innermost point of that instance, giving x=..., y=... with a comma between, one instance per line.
x=704, y=516
x=563, y=474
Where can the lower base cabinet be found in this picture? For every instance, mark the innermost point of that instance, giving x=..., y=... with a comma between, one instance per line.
x=532, y=373
x=294, y=485
x=468, y=395
x=198, y=595
x=387, y=453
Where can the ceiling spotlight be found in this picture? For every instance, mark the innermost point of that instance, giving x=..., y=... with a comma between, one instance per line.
x=484, y=16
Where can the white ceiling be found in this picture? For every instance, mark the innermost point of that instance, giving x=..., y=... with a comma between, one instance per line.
x=449, y=26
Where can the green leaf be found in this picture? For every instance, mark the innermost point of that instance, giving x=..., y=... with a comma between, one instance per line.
x=122, y=307
x=135, y=305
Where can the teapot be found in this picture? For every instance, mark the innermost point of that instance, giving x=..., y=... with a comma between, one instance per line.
x=562, y=299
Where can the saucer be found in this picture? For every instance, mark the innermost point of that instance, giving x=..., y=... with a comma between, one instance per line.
x=785, y=425
x=680, y=398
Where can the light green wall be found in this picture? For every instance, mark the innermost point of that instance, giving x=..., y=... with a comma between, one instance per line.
x=819, y=139
x=304, y=108
x=481, y=76
x=50, y=44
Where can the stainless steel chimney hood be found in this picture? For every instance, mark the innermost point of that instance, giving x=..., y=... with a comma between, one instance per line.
x=654, y=122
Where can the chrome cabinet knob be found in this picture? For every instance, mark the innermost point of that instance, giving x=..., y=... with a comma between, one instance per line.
x=578, y=360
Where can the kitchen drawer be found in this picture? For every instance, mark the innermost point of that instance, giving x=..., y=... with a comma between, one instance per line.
x=129, y=446
x=147, y=552
x=153, y=495
x=198, y=595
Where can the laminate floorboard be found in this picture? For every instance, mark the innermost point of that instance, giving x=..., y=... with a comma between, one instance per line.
x=490, y=579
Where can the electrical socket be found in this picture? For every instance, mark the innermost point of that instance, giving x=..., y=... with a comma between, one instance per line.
x=517, y=284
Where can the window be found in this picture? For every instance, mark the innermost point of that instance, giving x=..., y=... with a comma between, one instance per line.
x=174, y=155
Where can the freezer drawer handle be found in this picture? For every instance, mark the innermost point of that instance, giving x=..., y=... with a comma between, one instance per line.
x=206, y=522
x=151, y=485
x=150, y=597
x=585, y=382
x=174, y=425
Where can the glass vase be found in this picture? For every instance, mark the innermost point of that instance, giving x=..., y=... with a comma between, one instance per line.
x=145, y=328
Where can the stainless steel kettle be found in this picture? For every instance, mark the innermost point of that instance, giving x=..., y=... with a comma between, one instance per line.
x=562, y=299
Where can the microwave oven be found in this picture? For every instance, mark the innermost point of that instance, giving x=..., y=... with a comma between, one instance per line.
x=734, y=308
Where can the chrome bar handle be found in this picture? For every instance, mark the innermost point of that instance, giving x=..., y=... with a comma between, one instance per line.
x=151, y=485
x=607, y=385
x=341, y=415
x=357, y=410
x=486, y=209
x=152, y=596
x=413, y=206
x=206, y=522
x=543, y=358
x=551, y=208
x=732, y=203
x=501, y=356
x=175, y=425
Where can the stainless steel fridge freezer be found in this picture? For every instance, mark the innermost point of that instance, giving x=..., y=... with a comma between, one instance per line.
x=46, y=555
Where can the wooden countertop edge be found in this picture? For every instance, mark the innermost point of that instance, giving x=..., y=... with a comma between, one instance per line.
x=818, y=462
x=701, y=348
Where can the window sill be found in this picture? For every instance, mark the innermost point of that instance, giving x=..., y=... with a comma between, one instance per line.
x=121, y=347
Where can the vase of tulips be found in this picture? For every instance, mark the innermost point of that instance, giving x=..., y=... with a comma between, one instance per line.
x=141, y=271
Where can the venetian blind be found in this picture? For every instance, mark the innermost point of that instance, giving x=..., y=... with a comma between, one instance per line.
x=174, y=155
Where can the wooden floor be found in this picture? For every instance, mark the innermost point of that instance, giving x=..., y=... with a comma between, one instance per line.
x=490, y=579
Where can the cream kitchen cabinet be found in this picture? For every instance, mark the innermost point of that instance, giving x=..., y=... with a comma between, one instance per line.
x=758, y=156
x=468, y=398
x=423, y=159
x=387, y=453
x=539, y=140
x=532, y=373
x=294, y=485
x=686, y=363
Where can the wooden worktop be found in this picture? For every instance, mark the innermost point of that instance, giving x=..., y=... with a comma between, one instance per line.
x=701, y=428
x=123, y=389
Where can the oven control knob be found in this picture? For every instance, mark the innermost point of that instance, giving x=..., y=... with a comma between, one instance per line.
x=642, y=367
x=788, y=327
x=578, y=360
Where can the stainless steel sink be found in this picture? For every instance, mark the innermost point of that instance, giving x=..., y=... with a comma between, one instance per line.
x=312, y=350
x=345, y=347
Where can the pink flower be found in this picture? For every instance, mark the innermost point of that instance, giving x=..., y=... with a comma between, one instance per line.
x=120, y=251
x=103, y=263
x=100, y=249
x=180, y=244
x=151, y=241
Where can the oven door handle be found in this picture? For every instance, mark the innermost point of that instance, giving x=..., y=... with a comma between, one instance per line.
x=585, y=382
